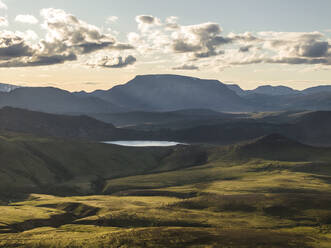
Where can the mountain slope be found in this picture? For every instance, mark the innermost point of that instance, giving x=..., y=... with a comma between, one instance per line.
x=317, y=89
x=279, y=148
x=172, y=92
x=136, y=118
x=47, y=165
x=53, y=100
x=84, y=127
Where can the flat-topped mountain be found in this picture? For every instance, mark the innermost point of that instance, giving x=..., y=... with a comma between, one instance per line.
x=173, y=92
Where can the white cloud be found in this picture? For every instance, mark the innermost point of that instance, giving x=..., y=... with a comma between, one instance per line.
x=146, y=22
x=112, y=19
x=3, y=5
x=3, y=21
x=192, y=46
x=29, y=19
x=67, y=38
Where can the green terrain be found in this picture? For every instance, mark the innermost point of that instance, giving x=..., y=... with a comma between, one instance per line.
x=269, y=192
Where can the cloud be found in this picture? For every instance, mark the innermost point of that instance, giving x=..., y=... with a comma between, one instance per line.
x=245, y=49
x=28, y=19
x=118, y=62
x=146, y=22
x=146, y=19
x=13, y=46
x=39, y=60
x=201, y=41
x=186, y=67
x=3, y=21
x=3, y=5
x=112, y=19
x=67, y=38
x=294, y=48
x=206, y=42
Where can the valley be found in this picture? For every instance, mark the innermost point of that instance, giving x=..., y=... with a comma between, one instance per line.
x=175, y=174
x=256, y=194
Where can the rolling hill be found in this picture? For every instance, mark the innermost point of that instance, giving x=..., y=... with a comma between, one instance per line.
x=268, y=192
x=48, y=165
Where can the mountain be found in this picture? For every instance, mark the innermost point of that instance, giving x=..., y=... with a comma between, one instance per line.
x=236, y=88
x=274, y=90
x=314, y=101
x=173, y=92
x=166, y=93
x=44, y=124
x=317, y=89
x=53, y=100
x=264, y=90
x=7, y=87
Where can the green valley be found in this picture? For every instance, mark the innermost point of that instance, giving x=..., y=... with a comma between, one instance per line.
x=268, y=192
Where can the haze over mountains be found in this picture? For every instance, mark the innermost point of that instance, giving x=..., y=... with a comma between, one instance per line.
x=161, y=93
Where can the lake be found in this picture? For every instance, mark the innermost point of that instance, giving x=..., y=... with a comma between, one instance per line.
x=143, y=143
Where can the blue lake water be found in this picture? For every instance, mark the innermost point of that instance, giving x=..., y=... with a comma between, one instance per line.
x=143, y=143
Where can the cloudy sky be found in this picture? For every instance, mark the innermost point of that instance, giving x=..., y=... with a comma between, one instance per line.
x=83, y=44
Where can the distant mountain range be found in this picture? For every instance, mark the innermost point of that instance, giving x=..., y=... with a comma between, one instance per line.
x=279, y=90
x=166, y=93
x=307, y=127
x=53, y=100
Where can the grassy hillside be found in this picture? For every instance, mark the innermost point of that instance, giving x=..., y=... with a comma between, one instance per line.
x=207, y=196
x=48, y=165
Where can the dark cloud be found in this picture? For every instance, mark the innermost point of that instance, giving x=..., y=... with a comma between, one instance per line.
x=299, y=61
x=202, y=41
x=118, y=62
x=180, y=46
x=39, y=61
x=186, y=67
x=245, y=49
x=315, y=49
x=12, y=46
x=146, y=19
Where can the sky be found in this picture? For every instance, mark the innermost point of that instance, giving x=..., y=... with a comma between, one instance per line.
x=88, y=45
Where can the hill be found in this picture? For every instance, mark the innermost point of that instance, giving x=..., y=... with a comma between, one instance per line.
x=278, y=147
x=274, y=90
x=47, y=165
x=43, y=124
x=195, y=196
x=149, y=119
